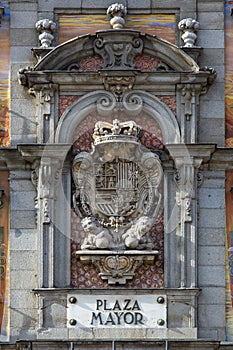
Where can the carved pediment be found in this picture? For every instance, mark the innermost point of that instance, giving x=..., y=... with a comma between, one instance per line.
x=114, y=51
x=118, y=50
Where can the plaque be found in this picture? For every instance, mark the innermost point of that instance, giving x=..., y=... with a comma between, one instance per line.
x=120, y=311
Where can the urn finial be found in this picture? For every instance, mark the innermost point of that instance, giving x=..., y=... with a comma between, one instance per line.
x=46, y=29
x=189, y=28
x=117, y=12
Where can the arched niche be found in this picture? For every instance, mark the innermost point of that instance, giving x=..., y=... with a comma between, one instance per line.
x=104, y=103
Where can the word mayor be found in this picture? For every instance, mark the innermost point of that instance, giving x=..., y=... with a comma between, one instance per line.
x=118, y=313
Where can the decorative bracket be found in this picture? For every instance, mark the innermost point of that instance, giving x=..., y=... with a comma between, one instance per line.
x=117, y=267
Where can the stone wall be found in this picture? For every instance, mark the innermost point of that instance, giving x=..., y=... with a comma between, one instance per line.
x=38, y=290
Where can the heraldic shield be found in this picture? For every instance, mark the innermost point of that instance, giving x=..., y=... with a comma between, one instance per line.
x=117, y=193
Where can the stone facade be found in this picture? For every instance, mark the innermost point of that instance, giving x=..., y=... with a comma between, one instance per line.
x=98, y=88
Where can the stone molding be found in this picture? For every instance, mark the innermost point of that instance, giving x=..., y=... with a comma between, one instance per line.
x=105, y=103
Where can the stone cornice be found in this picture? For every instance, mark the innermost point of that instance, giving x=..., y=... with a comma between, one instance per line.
x=222, y=159
x=74, y=81
x=10, y=159
x=187, y=152
x=216, y=158
x=38, y=151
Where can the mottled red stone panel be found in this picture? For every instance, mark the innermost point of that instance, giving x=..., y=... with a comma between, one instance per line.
x=91, y=63
x=170, y=101
x=145, y=62
x=64, y=102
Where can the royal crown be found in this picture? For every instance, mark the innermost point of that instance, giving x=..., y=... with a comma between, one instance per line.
x=120, y=131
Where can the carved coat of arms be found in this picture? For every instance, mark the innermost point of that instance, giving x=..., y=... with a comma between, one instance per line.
x=117, y=189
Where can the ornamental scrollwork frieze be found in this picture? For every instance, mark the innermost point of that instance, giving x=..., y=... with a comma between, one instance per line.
x=130, y=102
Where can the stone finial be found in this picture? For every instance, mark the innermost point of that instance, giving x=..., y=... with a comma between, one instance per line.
x=45, y=27
x=118, y=12
x=189, y=28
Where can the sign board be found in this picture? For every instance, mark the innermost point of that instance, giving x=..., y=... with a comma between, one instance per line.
x=132, y=311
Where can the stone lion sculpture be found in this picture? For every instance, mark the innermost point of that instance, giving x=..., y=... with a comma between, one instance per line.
x=136, y=237
x=96, y=237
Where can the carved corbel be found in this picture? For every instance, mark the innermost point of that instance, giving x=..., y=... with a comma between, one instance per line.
x=22, y=76
x=212, y=74
x=118, y=85
x=185, y=178
x=48, y=176
x=46, y=96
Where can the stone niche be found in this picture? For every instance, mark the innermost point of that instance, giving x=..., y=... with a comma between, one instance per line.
x=117, y=196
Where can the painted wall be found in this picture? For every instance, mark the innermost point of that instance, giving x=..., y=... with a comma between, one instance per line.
x=4, y=175
x=4, y=76
x=229, y=175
